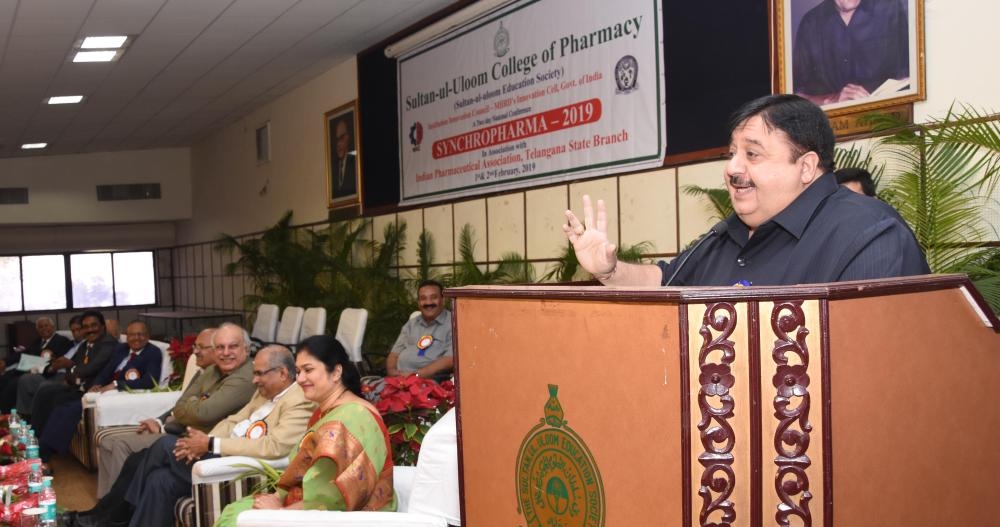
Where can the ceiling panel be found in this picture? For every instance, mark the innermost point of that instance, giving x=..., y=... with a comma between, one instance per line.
x=192, y=67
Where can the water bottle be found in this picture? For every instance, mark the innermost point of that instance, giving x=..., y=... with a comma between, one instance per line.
x=47, y=501
x=31, y=449
x=35, y=479
x=14, y=423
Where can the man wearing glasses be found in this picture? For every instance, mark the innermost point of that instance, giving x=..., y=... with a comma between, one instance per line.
x=267, y=427
x=223, y=386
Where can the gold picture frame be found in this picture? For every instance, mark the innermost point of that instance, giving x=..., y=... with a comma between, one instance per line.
x=343, y=156
x=810, y=62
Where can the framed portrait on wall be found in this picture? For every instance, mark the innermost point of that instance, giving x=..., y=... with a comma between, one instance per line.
x=343, y=163
x=851, y=56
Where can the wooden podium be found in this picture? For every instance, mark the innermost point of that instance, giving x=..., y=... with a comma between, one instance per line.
x=850, y=404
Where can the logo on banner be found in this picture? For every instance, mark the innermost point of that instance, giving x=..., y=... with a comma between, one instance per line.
x=558, y=482
x=627, y=74
x=501, y=42
x=416, y=136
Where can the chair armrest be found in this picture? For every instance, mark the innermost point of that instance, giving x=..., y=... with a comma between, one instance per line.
x=123, y=408
x=225, y=469
x=271, y=518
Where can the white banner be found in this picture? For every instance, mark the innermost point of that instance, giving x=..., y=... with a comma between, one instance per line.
x=540, y=91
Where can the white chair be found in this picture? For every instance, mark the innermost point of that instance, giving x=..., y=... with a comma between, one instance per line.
x=313, y=322
x=427, y=495
x=265, y=325
x=66, y=333
x=351, y=331
x=414, y=315
x=216, y=483
x=290, y=326
x=167, y=366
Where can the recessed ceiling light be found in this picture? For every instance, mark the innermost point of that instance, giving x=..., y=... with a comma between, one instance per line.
x=94, y=56
x=33, y=146
x=65, y=99
x=103, y=42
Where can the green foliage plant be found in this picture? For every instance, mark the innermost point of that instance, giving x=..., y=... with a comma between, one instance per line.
x=942, y=174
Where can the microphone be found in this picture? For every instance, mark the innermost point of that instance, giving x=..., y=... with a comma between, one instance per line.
x=714, y=231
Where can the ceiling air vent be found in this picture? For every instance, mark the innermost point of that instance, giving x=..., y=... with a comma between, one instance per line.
x=14, y=196
x=128, y=191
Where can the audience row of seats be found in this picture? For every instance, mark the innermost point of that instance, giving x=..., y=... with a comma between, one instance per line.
x=295, y=324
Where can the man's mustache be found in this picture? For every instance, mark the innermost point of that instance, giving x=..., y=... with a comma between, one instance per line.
x=738, y=181
x=428, y=306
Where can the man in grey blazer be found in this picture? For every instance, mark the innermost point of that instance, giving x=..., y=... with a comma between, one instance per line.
x=219, y=390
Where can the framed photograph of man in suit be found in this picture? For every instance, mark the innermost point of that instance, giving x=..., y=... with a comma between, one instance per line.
x=851, y=56
x=343, y=156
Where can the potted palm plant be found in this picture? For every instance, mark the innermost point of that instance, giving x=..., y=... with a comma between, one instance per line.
x=941, y=178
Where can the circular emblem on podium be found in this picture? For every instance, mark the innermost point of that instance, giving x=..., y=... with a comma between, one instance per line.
x=558, y=482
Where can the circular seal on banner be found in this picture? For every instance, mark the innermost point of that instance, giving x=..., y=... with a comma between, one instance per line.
x=257, y=430
x=47, y=354
x=132, y=374
x=501, y=41
x=558, y=482
x=424, y=342
x=626, y=74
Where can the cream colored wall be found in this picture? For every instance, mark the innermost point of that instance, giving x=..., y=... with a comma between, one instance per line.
x=235, y=195
x=648, y=206
x=961, y=43
x=61, y=191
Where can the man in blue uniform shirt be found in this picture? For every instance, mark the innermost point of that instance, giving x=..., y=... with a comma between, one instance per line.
x=424, y=344
x=792, y=224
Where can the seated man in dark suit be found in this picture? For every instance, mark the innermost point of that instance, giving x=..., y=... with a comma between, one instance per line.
x=87, y=363
x=50, y=345
x=135, y=365
x=344, y=175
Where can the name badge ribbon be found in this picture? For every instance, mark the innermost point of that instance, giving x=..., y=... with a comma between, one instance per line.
x=423, y=343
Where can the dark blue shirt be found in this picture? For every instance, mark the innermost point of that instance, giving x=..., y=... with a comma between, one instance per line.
x=827, y=234
x=829, y=54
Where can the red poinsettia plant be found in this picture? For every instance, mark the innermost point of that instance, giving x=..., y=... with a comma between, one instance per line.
x=7, y=448
x=409, y=406
x=180, y=350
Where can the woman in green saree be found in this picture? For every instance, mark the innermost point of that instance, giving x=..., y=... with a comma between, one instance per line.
x=344, y=462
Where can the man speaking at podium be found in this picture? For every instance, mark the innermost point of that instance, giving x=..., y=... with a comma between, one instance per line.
x=793, y=224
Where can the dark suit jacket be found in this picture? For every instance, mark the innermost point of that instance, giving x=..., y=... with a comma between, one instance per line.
x=148, y=364
x=86, y=365
x=348, y=185
x=58, y=345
